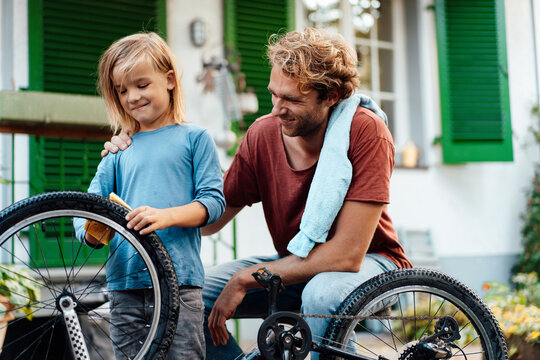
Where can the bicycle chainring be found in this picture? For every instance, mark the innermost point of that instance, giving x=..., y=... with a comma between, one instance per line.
x=284, y=335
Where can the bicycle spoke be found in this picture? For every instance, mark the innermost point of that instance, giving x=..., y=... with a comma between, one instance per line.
x=67, y=283
x=50, y=338
x=389, y=327
x=402, y=318
x=347, y=346
x=34, y=268
x=74, y=258
x=111, y=253
x=89, y=341
x=29, y=334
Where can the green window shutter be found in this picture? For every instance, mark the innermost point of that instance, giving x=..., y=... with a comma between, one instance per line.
x=475, y=106
x=62, y=164
x=248, y=24
x=67, y=37
x=66, y=40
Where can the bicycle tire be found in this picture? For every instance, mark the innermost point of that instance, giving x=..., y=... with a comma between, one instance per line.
x=47, y=217
x=481, y=336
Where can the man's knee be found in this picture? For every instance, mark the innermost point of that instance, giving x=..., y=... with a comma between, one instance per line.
x=323, y=294
x=326, y=291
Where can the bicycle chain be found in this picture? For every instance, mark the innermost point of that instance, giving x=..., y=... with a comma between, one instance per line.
x=357, y=317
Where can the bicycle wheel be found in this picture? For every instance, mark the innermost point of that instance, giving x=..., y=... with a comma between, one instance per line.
x=412, y=310
x=37, y=240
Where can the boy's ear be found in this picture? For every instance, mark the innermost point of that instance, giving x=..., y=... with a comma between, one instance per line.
x=171, y=83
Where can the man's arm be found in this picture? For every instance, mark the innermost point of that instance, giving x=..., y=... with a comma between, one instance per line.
x=229, y=213
x=355, y=226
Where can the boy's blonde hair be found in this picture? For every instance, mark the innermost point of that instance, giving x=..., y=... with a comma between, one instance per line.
x=127, y=53
x=317, y=60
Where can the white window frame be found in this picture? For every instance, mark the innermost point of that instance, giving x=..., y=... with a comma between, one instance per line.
x=400, y=94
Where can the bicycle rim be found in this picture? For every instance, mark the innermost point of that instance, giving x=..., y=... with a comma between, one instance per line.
x=38, y=240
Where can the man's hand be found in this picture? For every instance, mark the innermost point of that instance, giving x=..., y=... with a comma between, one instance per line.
x=224, y=308
x=157, y=219
x=120, y=141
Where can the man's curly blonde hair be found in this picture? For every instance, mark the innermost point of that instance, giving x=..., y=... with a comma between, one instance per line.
x=317, y=60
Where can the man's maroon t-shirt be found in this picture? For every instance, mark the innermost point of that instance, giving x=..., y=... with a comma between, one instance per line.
x=260, y=172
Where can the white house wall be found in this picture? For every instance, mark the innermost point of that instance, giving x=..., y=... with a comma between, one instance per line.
x=472, y=211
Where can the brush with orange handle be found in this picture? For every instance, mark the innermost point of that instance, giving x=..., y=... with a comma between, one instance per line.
x=98, y=232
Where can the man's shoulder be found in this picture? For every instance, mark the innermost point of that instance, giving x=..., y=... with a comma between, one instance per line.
x=264, y=123
x=366, y=125
x=264, y=128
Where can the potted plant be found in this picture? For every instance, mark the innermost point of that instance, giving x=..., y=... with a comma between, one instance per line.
x=18, y=292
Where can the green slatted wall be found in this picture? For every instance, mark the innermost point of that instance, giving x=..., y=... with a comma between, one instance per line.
x=67, y=38
x=474, y=83
x=248, y=24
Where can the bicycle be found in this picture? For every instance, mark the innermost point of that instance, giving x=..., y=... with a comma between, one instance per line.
x=447, y=319
x=452, y=322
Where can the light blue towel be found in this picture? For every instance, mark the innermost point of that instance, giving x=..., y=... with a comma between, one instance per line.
x=332, y=176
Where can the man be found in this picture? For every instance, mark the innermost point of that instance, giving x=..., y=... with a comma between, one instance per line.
x=312, y=72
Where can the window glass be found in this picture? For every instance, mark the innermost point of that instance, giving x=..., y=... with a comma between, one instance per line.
x=389, y=108
x=323, y=14
x=386, y=60
x=385, y=20
x=364, y=66
x=371, y=26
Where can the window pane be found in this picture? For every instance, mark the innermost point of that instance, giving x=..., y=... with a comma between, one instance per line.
x=325, y=14
x=386, y=61
x=364, y=66
x=384, y=24
x=388, y=107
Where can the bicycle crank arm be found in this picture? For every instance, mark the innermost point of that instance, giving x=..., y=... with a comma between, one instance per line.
x=330, y=350
x=78, y=345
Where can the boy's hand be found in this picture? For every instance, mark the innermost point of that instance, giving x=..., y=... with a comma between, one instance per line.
x=97, y=233
x=92, y=241
x=148, y=219
x=120, y=141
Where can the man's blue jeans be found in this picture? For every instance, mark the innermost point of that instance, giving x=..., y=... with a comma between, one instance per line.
x=321, y=295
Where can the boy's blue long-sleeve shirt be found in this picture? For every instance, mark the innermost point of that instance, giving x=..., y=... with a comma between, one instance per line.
x=168, y=167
